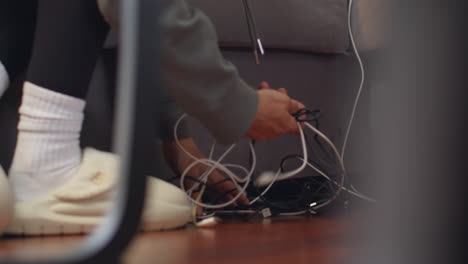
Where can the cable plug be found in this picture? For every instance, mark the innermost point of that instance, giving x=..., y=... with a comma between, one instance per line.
x=307, y=115
x=266, y=212
x=265, y=178
x=209, y=222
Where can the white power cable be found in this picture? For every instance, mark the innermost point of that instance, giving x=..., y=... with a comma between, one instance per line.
x=269, y=177
x=329, y=142
x=294, y=213
x=215, y=164
x=235, y=179
x=207, y=162
x=358, y=95
x=340, y=160
x=273, y=177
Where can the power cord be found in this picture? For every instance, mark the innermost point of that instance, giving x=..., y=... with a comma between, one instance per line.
x=361, y=85
x=358, y=95
x=215, y=164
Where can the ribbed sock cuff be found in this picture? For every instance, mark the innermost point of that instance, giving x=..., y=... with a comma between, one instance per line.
x=43, y=109
x=50, y=104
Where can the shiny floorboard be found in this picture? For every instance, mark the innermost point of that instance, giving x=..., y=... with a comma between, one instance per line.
x=323, y=239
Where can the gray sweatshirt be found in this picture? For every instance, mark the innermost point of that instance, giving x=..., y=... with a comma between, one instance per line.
x=195, y=73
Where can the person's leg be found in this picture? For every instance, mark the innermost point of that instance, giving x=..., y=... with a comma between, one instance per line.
x=68, y=39
x=17, y=18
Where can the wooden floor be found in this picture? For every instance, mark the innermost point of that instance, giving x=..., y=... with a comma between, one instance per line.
x=292, y=241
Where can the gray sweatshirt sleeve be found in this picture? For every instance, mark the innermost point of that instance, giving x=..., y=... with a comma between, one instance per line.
x=195, y=73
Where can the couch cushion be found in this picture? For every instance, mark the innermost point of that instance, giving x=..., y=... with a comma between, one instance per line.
x=307, y=25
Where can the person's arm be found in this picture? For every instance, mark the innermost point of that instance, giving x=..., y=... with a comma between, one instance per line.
x=207, y=86
x=177, y=160
x=195, y=73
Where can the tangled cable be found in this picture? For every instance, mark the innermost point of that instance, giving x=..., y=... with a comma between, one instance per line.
x=215, y=165
x=303, y=117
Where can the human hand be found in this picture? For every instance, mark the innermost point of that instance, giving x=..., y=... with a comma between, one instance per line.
x=273, y=117
x=179, y=161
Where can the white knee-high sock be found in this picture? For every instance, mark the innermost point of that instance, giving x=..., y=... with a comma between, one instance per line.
x=47, y=151
x=4, y=79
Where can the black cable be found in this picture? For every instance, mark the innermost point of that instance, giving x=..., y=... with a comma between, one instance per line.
x=321, y=154
x=210, y=187
x=313, y=163
x=307, y=115
x=306, y=190
x=319, y=191
x=283, y=160
x=298, y=202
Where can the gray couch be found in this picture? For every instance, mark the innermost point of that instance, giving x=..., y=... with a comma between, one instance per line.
x=306, y=52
